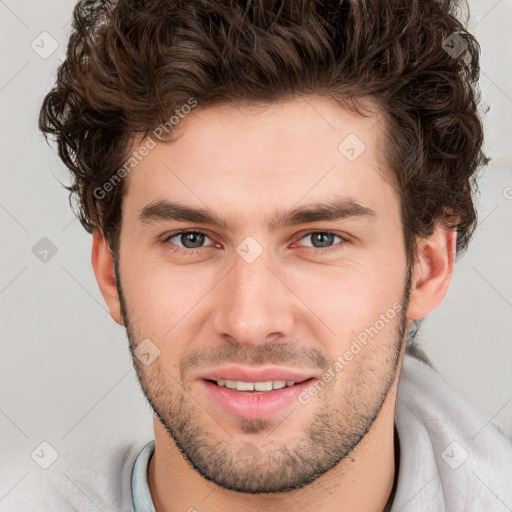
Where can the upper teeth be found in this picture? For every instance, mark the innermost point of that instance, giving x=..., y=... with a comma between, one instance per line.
x=255, y=386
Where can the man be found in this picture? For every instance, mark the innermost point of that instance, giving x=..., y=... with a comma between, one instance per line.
x=277, y=192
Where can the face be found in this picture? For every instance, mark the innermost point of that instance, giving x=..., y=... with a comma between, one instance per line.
x=321, y=295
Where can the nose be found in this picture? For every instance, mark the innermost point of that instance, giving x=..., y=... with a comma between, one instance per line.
x=254, y=303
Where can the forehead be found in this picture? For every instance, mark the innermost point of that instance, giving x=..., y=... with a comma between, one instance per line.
x=248, y=157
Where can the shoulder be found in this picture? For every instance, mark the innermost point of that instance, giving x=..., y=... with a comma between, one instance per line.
x=90, y=476
x=451, y=455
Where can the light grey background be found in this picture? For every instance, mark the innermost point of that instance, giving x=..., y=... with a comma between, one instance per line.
x=65, y=370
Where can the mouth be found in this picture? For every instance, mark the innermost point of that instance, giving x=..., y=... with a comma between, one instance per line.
x=261, y=399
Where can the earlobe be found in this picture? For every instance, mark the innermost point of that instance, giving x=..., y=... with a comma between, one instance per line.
x=432, y=272
x=103, y=266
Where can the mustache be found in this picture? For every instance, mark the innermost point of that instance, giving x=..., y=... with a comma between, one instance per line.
x=289, y=353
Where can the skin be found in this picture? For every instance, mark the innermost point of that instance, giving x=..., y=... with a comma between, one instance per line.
x=290, y=307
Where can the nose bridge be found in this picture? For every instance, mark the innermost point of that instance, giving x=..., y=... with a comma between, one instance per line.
x=255, y=304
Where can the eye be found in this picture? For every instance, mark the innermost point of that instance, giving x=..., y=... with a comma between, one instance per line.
x=322, y=240
x=189, y=240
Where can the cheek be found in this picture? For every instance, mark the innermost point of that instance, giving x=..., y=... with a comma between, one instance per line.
x=352, y=296
x=162, y=298
x=165, y=299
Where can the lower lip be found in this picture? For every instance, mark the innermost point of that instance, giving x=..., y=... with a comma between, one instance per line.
x=254, y=405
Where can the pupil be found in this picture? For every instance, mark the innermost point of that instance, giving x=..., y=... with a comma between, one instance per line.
x=196, y=239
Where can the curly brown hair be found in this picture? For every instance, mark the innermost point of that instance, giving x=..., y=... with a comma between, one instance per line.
x=132, y=63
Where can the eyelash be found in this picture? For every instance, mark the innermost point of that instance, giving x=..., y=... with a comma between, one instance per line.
x=316, y=250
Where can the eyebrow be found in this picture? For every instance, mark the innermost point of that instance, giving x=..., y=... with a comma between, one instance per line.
x=327, y=210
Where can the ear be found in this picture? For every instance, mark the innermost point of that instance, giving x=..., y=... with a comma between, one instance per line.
x=103, y=266
x=432, y=271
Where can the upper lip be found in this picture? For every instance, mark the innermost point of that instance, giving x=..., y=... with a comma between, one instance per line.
x=251, y=374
